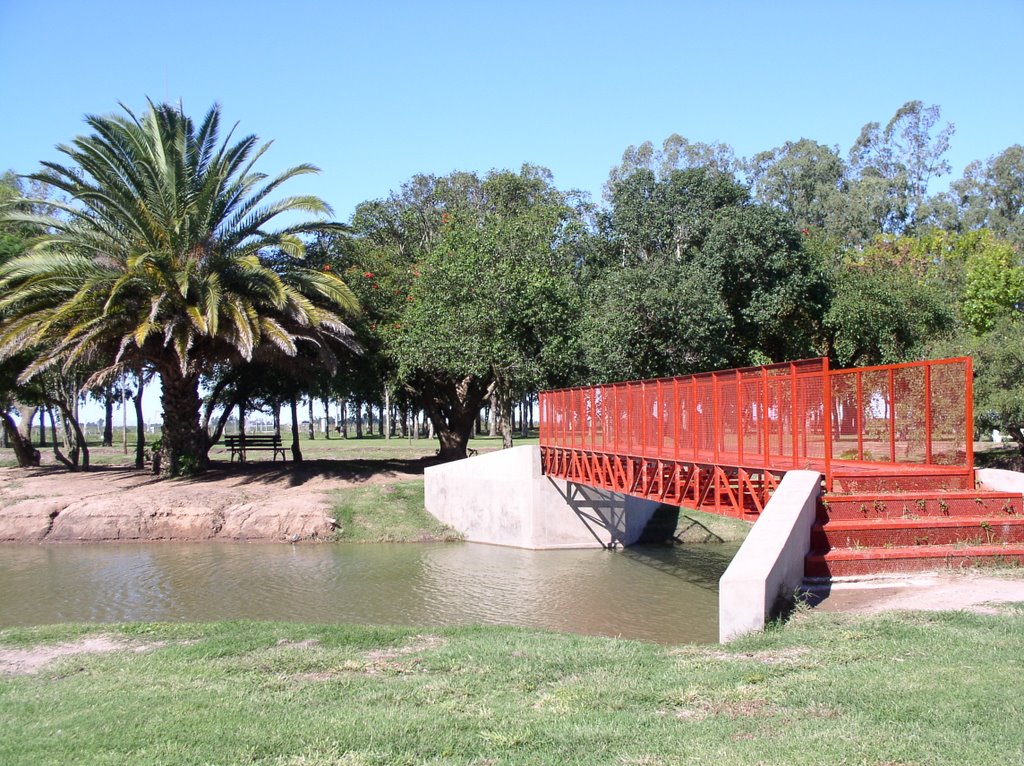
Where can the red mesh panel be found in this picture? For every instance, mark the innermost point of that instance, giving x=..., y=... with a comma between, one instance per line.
x=876, y=427
x=948, y=408
x=909, y=414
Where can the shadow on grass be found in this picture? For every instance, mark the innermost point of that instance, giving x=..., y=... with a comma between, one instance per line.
x=296, y=474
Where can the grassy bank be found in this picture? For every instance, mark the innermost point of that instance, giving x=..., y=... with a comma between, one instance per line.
x=912, y=689
x=387, y=513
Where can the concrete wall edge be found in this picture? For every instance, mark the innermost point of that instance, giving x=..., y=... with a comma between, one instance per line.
x=769, y=566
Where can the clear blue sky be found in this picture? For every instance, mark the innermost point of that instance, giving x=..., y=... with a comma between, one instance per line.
x=373, y=93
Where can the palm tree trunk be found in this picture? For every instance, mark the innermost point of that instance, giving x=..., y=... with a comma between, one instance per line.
x=140, y=426
x=185, y=444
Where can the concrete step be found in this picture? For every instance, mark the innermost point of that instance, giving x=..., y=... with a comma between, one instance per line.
x=915, y=505
x=916, y=558
x=873, y=533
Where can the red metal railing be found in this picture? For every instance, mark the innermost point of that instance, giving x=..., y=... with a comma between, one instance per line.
x=894, y=422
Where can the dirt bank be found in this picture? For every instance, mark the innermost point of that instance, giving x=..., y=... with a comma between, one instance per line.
x=258, y=502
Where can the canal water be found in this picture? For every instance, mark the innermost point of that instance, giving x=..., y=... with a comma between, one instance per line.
x=663, y=594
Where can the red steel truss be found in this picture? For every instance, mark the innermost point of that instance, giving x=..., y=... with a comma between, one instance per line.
x=721, y=440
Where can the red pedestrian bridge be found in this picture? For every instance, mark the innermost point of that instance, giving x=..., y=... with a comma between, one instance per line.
x=893, y=443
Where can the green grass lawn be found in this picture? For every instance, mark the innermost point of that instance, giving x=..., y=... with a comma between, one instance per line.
x=824, y=689
x=387, y=513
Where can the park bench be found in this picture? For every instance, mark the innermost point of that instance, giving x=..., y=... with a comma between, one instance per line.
x=239, y=445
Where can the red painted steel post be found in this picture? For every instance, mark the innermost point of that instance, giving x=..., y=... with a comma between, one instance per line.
x=860, y=417
x=764, y=416
x=643, y=419
x=739, y=419
x=661, y=417
x=677, y=421
x=693, y=413
x=826, y=393
x=567, y=418
x=927, y=413
x=715, y=425
x=892, y=416
x=583, y=419
x=969, y=381
x=792, y=412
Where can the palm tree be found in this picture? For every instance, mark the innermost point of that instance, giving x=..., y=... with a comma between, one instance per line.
x=163, y=257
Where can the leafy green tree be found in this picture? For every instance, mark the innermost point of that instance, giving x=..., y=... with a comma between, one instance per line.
x=165, y=257
x=494, y=307
x=894, y=165
x=676, y=153
x=994, y=286
x=669, y=216
x=773, y=289
x=655, y=319
x=991, y=196
x=803, y=179
x=469, y=289
x=890, y=300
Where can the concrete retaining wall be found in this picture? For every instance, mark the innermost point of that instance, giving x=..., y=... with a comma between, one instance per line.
x=503, y=498
x=999, y=480
x=769, y=566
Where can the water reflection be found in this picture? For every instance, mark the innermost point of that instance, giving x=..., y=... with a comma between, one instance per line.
x=659, y=594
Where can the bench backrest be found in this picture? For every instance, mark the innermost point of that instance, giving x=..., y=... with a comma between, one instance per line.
x=253, y=440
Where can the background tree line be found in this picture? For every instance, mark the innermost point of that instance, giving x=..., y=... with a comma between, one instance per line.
x=470, y=291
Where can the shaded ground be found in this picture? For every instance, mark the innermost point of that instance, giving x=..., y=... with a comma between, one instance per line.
x=259, y=501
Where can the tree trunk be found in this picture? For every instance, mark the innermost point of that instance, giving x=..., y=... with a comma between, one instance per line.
x=327, y=417
x=26, y=414
x=42, y=428
x=185, y=444
x=53, y=425
x=296, y=452
x=357, y=411
x=452, y=407
x=124, y=416
x=369, y=419
x=506, y=424
x=386, y=412
x=140, y=426
x=73, y=433
x=523, y=433
x=26, y=455
x=343, y=418
x=108, y=417
x=492, y=425
x=312, y=426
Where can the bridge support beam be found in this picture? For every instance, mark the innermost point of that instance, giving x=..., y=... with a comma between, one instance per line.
x=769, y=567
x=503, y=498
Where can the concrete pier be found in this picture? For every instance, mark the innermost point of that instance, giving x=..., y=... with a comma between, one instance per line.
x=502, y=498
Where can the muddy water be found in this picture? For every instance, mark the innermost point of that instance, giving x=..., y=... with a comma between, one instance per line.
x=668, y=595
